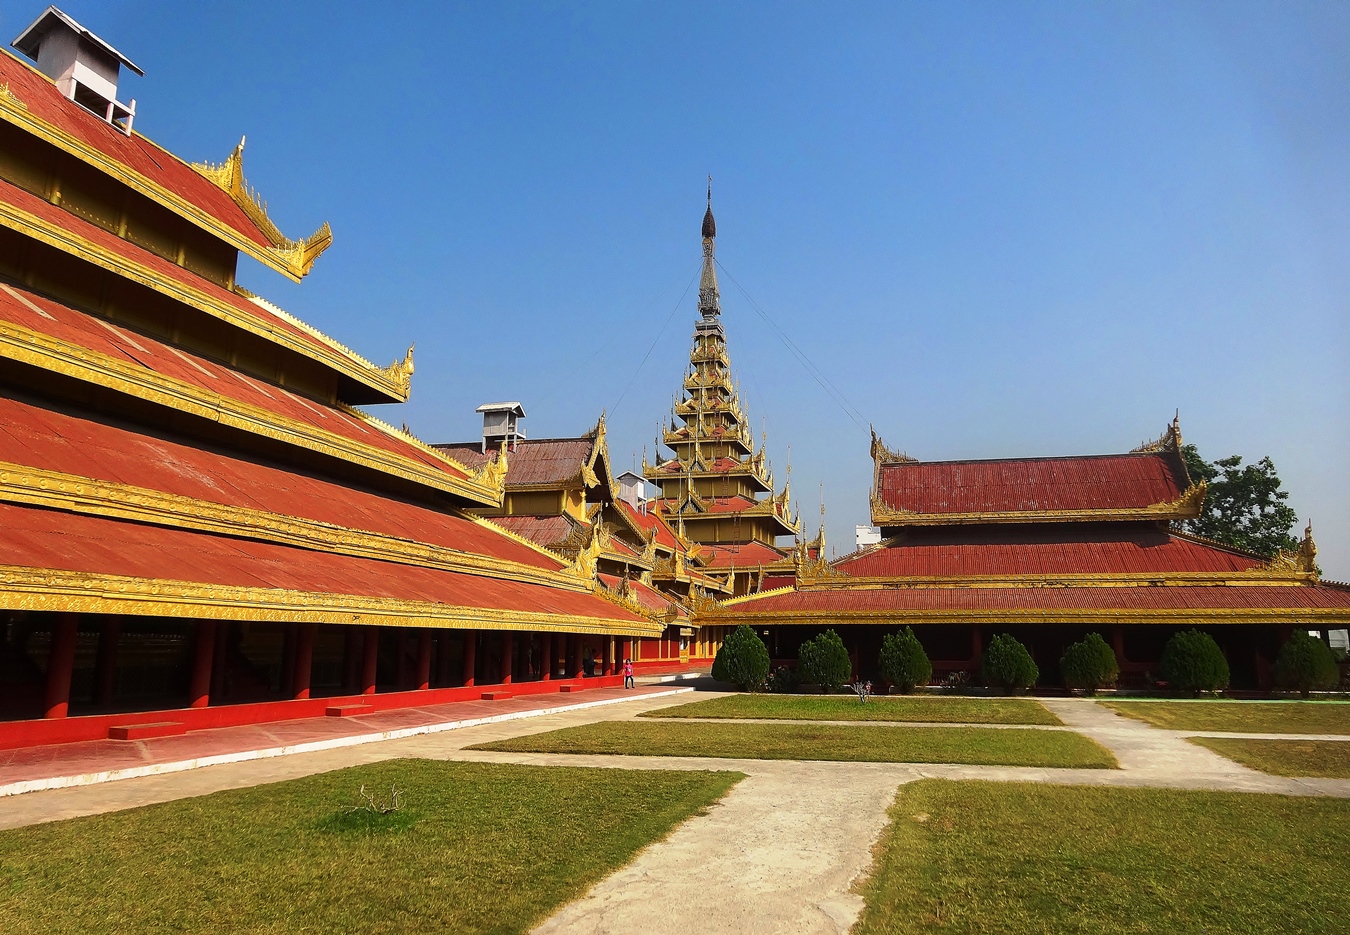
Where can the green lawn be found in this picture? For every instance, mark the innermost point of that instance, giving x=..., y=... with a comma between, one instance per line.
x=1256, y=717
x=877, y=744
x=848, y=708
x=1326, y=758
x=972, y=857
x=477, y=848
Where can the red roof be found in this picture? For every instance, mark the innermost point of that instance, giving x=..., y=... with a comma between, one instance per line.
x=1092, y=482
x=1053, y=552
x=52, y=539
x=538, y=461
x=665, y=537
x=548, y=531
x=645, y=595
x=717, y=466
x=939, y=600
x=736, y=504
x=52, y=440
x=42, y=100
x=96, y=334
x=747, y=555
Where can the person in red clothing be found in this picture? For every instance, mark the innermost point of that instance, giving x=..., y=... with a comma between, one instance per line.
x=628, y=673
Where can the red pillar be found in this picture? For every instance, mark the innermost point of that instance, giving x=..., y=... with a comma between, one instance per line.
x=204, y=653
x=105, y=669
x=401, y=658
x=304, y=659
x=424, y=660
x=609, y=657
x=546, y=664
x=508, y=656
x=470, y=654
x=60, y=664
x=443, y=658
x=370, y=659
x=574, y=657
x=220, y=662
x=1118, y=644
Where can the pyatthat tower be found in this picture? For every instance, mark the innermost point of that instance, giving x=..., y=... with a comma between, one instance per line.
x=717, y=488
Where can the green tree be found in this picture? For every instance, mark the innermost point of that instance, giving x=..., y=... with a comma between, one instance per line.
x=1306, y=664
x=742, y=660
x=1244, y=506
x=1089, y=664
x=824, y=661
x=1192, y=663
x=1007, y=664
x=903, y=662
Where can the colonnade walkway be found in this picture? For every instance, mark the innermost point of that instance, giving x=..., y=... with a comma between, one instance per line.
x=780, y=853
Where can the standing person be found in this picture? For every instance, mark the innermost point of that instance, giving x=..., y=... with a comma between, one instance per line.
x=628, y=673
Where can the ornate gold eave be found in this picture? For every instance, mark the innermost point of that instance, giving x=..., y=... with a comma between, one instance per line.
x=1261, y=576
x=726, y=615
x=385, y=381
x=1186, y=506
x=91, y=497
x=45, y=352
x=45, y=589
x=292, y=259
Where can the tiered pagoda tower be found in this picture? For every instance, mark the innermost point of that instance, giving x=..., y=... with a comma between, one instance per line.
x=717, y=489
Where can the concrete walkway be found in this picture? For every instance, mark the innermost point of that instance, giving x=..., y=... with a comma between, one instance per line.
x=781, y=852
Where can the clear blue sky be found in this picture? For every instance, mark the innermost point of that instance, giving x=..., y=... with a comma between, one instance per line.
x=1000, y=229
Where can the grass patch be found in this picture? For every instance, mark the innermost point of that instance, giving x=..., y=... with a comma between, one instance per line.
x=479, y=848
x=973, y=857
x=976, y=745
x=1257, y=717
x=846, y=708
x=1325, y=758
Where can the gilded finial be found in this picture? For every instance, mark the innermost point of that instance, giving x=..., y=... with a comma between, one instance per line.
x=400, y=372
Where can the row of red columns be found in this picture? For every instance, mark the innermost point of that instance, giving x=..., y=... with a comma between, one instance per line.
x=209, y=643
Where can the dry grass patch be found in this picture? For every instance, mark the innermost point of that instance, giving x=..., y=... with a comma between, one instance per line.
x=1328, y=759
x=1255, y=717
x=936, y=710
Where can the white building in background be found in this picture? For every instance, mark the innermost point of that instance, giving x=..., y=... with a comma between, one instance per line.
x=866, y=535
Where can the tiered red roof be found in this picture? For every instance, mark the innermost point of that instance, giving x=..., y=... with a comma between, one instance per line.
x=647, y=521
x=745, y=555
x=531, y=462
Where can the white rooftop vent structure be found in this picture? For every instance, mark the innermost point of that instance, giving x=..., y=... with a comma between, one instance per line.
x=866, y=535
x=633, y=490
x=501, y=425
x=84, y=67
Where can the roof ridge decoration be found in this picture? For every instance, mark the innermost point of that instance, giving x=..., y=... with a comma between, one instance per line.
x=1185, y=506
x=390, y=373
x=1169, y=441
x=297, y=256
x=8, y=96
x=882, y=454
x=1303, y=559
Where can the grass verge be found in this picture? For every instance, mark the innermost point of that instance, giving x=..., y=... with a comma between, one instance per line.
x=478, y=848
x=1257, y=717
x=848, y=708
x=971, y=745
x=1329, y=759
x=973, y=857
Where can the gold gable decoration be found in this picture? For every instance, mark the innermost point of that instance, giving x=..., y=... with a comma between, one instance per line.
x=400, y=372
x=493, y=474
x=1302, y=560
x=297, y=256
x=882, y=454
x=1170, y=440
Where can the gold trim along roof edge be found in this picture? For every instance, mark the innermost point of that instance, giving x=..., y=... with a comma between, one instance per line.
x=326, y=352
x=1193, y=616
x=292, y=259
x=42, y=589
x=1186, y=506
x=32, y=486
x=41, y=350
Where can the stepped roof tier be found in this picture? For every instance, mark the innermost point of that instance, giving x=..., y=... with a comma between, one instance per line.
x=179, y=452
x=713, y=486
x=1045, y=540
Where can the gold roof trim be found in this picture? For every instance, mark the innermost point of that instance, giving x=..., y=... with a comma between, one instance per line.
x=1186, y=506
x=729, y=616
x=1260, y=576
x=46, y=589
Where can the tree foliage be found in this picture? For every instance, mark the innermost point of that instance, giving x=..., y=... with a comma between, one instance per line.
x=1008, y=665
x=824, y=661
x=903, y=662
x=1306, y=664
x=742, y=660
x=1244, y=506
x=1192, y=662
x=1089, y=664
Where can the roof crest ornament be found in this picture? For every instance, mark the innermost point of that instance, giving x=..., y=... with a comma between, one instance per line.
x=880, y=452
x=297, y=256
x=400, y=372
x=1170, y=440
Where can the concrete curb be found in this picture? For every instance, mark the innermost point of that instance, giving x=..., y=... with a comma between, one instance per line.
x=333, y=743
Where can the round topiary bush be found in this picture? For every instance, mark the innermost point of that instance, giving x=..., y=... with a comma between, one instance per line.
x=824, y=661
x=1089, y=664
x=1306, y=664
x=1008, y=665
x=903, y=662
x=1192, y=662
x=742, y=660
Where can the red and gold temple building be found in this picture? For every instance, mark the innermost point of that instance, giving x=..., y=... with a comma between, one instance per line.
x=198, y=517
x=1047, y=549
x=717, y=489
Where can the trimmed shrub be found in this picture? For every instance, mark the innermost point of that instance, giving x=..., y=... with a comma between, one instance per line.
x=1306, y=664
x=781, y=680
x=1008, y=665
x=903, y=662
x=742, y=660
x=1192, y=662
x=824, y=661
x=1089, y=664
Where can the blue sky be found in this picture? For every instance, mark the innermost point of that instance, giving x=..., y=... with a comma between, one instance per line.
x=998, y=229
